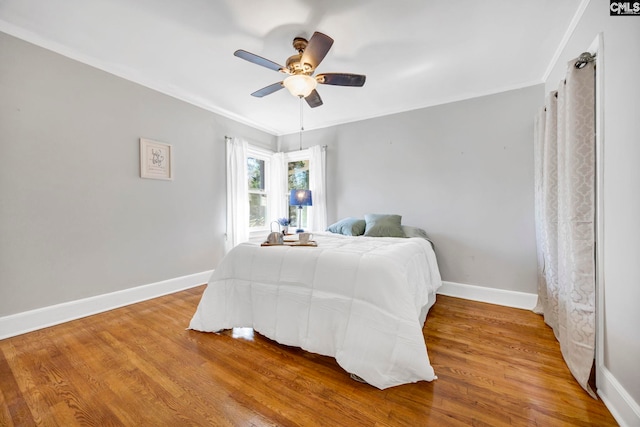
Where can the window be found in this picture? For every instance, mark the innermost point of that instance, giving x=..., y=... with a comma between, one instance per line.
x=298, y=179
x=267, y=198
x=258, y=183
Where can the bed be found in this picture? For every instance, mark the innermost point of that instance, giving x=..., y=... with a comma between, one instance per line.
x=362, y=300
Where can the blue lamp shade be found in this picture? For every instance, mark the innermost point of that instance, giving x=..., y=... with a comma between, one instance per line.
x=300, y=198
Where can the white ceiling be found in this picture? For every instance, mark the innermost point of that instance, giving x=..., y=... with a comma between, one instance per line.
x=415, y=53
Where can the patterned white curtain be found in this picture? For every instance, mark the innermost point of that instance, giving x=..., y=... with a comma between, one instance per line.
x=565, y=217
x=278, y=199
x=317, y=184
x=237, y=193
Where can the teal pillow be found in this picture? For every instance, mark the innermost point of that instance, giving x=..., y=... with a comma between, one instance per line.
x=378, y=225
x=348, y=227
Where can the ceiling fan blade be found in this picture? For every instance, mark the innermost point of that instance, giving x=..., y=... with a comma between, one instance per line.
x=313, y=99
x=268, y=90
x=251, y=57
x=317, y=49
x=341, y=79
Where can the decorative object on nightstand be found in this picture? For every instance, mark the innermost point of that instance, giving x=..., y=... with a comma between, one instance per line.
x=300, y=198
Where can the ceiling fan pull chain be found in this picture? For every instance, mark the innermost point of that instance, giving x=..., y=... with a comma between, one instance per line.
x=301, y=123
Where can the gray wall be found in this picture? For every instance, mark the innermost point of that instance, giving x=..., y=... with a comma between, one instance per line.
x=462, y=171
x=621, y=316
x=76, y=220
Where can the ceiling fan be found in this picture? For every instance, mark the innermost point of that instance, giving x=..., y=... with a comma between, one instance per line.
x=300, y=68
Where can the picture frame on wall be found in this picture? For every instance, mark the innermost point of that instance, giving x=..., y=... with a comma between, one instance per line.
x=156, y=160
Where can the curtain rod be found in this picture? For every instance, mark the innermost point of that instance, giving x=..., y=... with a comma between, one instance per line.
x=584, y=59
x=229, y=137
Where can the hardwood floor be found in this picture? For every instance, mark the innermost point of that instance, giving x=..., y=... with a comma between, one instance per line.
x=138, y=366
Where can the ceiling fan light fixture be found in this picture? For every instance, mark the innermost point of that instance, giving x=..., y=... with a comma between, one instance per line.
x=300, y=85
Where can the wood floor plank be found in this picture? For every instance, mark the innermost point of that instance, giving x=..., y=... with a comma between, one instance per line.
x=139, y=365
x=12, y=403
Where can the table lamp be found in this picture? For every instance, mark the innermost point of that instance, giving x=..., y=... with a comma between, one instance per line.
x=300, y=198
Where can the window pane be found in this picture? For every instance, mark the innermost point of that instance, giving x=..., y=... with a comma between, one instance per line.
x=255, y=173
x=298, y=177
x=298, y=174
x=257, y=209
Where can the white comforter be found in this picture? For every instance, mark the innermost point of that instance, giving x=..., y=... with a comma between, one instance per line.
x=357, y=299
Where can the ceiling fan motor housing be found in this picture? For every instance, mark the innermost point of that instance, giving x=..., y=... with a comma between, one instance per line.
x=295, y=66
x=294, y=63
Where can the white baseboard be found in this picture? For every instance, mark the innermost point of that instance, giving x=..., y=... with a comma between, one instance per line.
x=20, y=323
x=490, y=295
x=624, y=409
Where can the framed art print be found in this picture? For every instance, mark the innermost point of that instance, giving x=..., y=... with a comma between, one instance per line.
x=155, y=160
